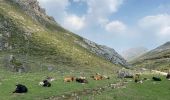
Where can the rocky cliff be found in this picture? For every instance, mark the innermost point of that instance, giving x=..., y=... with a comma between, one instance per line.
x=103, y=51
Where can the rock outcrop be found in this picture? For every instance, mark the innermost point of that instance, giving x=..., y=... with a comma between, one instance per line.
x=32, y=8
x=103, y=51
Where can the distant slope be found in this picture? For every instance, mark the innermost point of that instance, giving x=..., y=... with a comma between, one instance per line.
x=133, y=53
x=39, y=43
x=158, y=58
x=104, y=51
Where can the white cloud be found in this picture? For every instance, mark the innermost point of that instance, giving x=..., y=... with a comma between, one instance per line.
x=100, y=10
x=79, y=0
x=56, y=8
x=115, y=27
x=159, y=24
x=74, y=22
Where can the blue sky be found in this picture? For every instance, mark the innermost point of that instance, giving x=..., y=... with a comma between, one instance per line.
x=120, y=24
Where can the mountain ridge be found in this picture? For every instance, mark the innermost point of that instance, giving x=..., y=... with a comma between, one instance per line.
x=41, y=39
x=157, y=58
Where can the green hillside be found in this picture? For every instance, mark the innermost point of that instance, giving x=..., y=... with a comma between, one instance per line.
x=39, y=43
x=158, y=58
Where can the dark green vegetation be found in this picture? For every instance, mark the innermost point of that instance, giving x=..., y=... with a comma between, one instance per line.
x=158, y=58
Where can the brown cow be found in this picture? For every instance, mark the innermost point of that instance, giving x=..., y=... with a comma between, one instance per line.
x=106, y=77
x=137, y=78
x=168, y=76
x=97, y=77
x=69, y=79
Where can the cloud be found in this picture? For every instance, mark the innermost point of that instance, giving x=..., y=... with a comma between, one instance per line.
x=159, y=24
x=79, y=0
x=74, y=22
x=99, y=10
x=56, y=8
x=115, y=27
x=97, y=15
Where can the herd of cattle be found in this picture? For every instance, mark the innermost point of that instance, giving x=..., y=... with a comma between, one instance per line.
x=47, y=82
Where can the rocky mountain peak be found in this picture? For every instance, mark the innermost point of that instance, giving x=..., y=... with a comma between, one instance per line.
x=33, y=9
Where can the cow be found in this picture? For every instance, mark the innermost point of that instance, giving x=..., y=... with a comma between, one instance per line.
x=20, y=89
x=156, y=79
x=45, y=83
x=106, y=77
x=137, y=78
x=168, y=76
x=97, y=77
x=80, y=80
x=69, y=79
x=50, y=79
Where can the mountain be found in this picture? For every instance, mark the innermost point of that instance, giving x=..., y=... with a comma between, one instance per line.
x=104, y=51
x=133, y=53
x=30, y=40
x=158, y=58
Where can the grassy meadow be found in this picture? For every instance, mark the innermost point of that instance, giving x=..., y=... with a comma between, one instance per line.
x=149, y=90
x=36, y=92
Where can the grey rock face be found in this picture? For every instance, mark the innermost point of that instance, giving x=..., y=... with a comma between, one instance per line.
x=10, y=62
x=5, y=33
x=103, y=51
x=32, y=8
x=124, y=74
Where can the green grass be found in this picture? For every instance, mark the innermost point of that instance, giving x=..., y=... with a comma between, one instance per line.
x=149, y=90
x=36, y=92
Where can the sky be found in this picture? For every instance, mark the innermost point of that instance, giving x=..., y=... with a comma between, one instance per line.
x=119, y=24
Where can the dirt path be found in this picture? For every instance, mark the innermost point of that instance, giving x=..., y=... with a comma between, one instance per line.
x=95, y=91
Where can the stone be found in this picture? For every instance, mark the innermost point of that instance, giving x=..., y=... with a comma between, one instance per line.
x=103, y=51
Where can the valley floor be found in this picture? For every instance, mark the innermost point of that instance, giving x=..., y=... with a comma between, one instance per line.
x=149, y=90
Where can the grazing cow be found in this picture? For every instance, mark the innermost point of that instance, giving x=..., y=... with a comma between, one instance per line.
x=156, y=78
x=82, y=77
x=20, y=89
x=159, y=72
x=50, y=79
x=168, y=76
x=145, y=79
x=97, y=77
x=80, y=80
x=137, y=78
x=45, y=83
x=69, y=79
x=129, y=76
x=106, y=77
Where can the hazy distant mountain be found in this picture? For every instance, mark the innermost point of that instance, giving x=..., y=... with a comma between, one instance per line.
x=133, y=53
x=158, y=58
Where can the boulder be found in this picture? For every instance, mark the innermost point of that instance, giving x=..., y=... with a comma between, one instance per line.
x=124, y=74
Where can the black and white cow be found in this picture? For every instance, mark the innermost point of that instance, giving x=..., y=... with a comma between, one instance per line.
x=20, y=89
x=80, y=80
x=156, y=78
x=45, y=83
